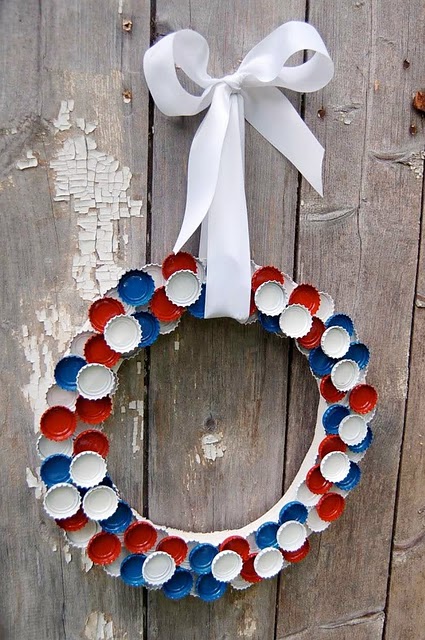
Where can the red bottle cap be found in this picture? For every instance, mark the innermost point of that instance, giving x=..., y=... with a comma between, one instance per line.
x=140, y=536
x=97, y=350
x=104, y=548
x=175, y=547
x=331, y=443
x=237, y=544
x=330, y=506
x=264, y=274
x=248, y=572
x=163, y=309
x=363, y=398
x=73, y=523
x=91, y=440
x=178, y=262
x=328, y=391
x=101, y=311
x=93, y=411
x=252, y=306
x=307, y=295
x=316, y=482
x=299, y=554
x=312, y=338
x=58, y=423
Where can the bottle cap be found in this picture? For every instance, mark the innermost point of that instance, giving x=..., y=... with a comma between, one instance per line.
x=248, y=572
x=209, y=589
x=140, y=536
x=315, y=522
x=100, y=503
x=123, y=333
x=149, y=326
x=46, y=447
x=132, y=569
x=293, y=511
x=268, y=563
x=101, y=311
x=306, y=496
x=269, y=323
x=328, y=391
x=291, y=535
x=226, y=566
x=56, y=396
x=197, y=309
x=178, y=262
x=353, y=430
x=236, y=543
x=335, y=342
x=80, y=537
x=104, y=548
x=136, y=287
x=98, y=350
x=163, y=308
x=320, y=363
x=307, y=296
x=176, y=547
x=155, y=271
x=87, y=469
x=363, y=398
x=335, y=466
x=119, y=521
x=352, y=479
x=240, y=584
x=330, y=506
x=73, y=523
x=265, y=536
x=93, y=411
x=201, y=557
x=312, y=339
x=183, y=288
x=114, y=569
x=201, y=270
x=62, y=501
x=271, y=298
x=359, y=353
x=79, y=341
x=345, y=374
x=341, y=320
x=316, y=482
x=179, y=585
x=326, y=307
x=91, y=440
x=66, y=372
x=295, y=321
x=300, y=554
x=168, y=327
x=265, y=274
x=158, y=568
x=331, y=443
x=95, y=381
x=364, y=444
x=332, y=417
x=55, y=469
x=58, y=423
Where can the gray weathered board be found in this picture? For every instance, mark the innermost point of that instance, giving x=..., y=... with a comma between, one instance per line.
x=364, y=578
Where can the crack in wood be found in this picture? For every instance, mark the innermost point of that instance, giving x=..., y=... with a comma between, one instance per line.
x=332, y=215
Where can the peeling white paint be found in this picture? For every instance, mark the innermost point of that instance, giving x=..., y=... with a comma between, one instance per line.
x=176, y=345
x=29, y=161
x=35, y=482
x=97, y=627
x=212, y=446
x=62, y=122
x=67, y=553
x=86, y=563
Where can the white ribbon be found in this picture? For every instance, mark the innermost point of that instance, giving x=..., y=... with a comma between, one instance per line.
x=215, y=184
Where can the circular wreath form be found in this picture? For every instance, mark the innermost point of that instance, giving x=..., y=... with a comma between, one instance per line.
x=86, y=504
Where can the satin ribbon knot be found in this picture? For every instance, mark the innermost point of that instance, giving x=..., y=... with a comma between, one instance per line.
x=216, y=182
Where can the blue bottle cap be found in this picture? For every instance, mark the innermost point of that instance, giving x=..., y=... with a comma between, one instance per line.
x=179, y=585
x=197, y=309
x=131, y=569
x=201, y=557
x=265, y=536
x=107, y=481
x=209, y=589
x=293, y=511
x=333, y=416
x=55, y=468
x=136, y=287
x=119, y=521
x=340, y=320
x=150, y=328
x=359, y=353
x=269, y=323
x=352, y=479
x=364, y=444
x=66, y=372
x=319, y=362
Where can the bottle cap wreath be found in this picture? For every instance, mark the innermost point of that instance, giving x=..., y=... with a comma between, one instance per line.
x=151, y=301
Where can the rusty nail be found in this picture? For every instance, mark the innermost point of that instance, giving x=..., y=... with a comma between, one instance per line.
x=419, y=101
x=412, y=129
x=126, y=95
x=406, y=63
x=321, y=113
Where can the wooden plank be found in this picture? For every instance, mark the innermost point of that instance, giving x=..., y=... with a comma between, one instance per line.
x=217, y=377
x=53, y=52
x=360, y=245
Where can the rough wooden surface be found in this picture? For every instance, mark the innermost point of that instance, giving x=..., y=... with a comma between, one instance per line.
x=364, y=578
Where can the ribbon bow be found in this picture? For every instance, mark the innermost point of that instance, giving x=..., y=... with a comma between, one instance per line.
x=215, y=186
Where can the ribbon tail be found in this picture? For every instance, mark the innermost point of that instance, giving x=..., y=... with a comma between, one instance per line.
x=270, y=112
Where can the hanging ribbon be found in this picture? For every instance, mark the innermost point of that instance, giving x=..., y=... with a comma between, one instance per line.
x=215, y=186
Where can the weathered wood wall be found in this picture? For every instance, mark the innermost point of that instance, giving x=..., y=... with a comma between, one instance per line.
x=364, y=578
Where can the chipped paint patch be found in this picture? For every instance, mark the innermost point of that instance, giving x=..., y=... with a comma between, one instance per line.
x=98, y=627
x=35, y=482
x=413, y=159
x=29, y=161
x=67, y=553
x=212, y=446
x=62, y=122
x=138, y=423
x=86, y=563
